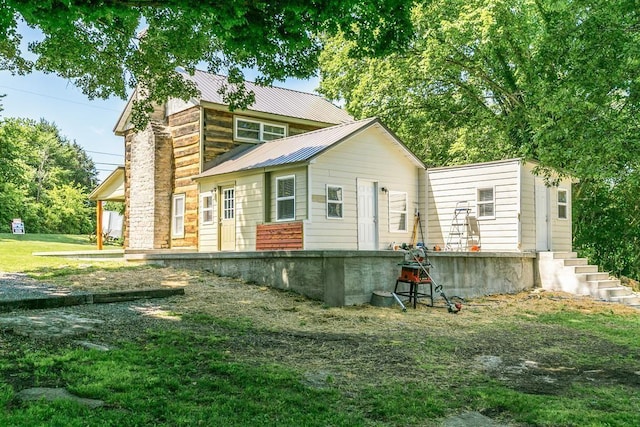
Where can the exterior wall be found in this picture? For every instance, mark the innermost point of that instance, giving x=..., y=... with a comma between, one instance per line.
x=340, y=278
x=448, y=186
x=561, y=229
x=148, y=192
x=528, y=208
x=300, y=174
x=185, y=133
x=372, y=156
x=218, y=131
x=249, y=211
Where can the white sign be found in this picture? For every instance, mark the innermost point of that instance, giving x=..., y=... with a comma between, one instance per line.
x=17, y=226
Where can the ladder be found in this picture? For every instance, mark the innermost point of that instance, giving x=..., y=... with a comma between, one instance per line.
x=457, y=240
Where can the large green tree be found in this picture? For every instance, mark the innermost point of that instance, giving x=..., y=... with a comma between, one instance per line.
x=555, y=81
x=99, y=46
x=44, y=178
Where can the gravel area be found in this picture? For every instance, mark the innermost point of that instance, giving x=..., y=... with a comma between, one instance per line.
x=18, y=286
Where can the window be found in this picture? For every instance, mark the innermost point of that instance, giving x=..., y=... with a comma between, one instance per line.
x=228, y=203
x=206, y=204
x=255, y=131
x=177, y=218
x=485, y=203
x=563, y=204
x=398, y=207
x=286, y=198
x=334, y=201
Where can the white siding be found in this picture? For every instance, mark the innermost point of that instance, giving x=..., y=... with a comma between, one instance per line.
x=249, y=211
x=528, y=212
x=373, y=156
x=561, y=232
x=300, y=174
x=448, y=186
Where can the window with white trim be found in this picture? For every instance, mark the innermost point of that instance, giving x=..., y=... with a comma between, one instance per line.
x=334, y=202
x=257, y=131
x=177, y=215
x=286, y=198
x=206, y=206
x=563, y=204
x=398, y=211
x=485, y=203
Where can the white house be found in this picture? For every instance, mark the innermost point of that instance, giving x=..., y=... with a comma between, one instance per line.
x=514, y=209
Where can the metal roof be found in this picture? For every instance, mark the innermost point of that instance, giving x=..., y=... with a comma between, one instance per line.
x=273, y=100
x=298, y=148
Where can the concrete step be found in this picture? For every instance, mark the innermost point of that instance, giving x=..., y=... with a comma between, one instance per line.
x=611, y=294
x=575, y=261
x=609, y=283
x=590, y=277
x=585, y=268
x=632, y=300
x=557, y=255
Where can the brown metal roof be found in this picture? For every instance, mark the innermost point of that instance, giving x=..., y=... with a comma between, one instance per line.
x=273, y=100
x=295, y=149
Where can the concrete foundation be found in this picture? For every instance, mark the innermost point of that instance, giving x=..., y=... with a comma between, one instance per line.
x=340, y=278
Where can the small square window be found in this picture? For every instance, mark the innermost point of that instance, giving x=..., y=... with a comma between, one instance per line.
x=334, y=201
x=486, y=203
x=563, y=204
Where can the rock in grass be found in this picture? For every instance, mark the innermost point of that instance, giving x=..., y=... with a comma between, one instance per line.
x=52, y=394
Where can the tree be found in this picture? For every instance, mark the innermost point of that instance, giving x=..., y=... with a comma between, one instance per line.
x=482, y=80
x=44, y=178
x=99, y=47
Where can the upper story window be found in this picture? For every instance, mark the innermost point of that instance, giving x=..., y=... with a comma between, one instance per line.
x=485, y=203
x=257, y=131
x=563, y=203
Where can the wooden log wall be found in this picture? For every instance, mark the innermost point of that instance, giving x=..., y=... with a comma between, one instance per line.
x=185, y=133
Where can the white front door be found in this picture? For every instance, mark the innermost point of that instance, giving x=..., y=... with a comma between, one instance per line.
x=367, y=215
x=227, y=217
x=543, y=225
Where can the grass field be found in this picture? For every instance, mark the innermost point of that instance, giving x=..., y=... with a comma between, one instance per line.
x=233, y=354
x=16, y=251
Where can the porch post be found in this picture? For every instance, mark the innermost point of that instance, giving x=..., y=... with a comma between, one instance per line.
x=99, y=224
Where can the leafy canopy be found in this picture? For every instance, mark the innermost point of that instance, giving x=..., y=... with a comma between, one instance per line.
x=98, y=46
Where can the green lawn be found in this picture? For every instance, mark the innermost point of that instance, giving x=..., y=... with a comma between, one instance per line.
x=16, y=250
x=246, y=355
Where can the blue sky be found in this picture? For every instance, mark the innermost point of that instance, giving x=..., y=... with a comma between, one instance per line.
x=89, y=122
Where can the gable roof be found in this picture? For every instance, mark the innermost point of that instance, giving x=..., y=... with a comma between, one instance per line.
x=299, y=148
x=273, y=100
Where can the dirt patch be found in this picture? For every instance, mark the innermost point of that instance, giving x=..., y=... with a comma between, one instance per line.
x=498, y=337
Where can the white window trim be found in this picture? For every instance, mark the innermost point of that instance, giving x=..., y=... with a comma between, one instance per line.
x=486, y=202
x=565, y=204
x=226, y=210
x=203, y=209
x=175, y=215
x=335, y=202
x=260, y=132
x=405, y=212
x=282, y=178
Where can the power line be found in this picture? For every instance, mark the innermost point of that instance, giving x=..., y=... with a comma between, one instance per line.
x=106, y=154
x=107, y=164
x=59, y=99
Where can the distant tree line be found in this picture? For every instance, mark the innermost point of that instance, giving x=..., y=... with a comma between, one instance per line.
x=44, y=179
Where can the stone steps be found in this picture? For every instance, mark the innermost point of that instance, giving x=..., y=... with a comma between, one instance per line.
x=566, y=272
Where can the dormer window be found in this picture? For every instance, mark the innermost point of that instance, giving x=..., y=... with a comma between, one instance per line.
x=257, y=131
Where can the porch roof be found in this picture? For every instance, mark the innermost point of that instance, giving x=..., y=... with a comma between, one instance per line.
x=111, y=189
